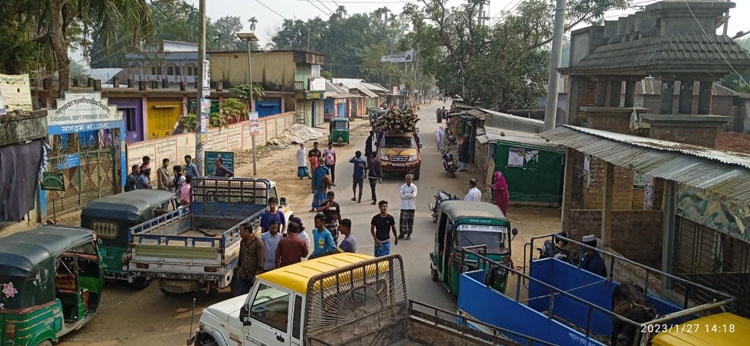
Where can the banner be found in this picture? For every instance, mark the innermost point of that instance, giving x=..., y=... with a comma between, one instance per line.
x=16, y=93
x=399, y=57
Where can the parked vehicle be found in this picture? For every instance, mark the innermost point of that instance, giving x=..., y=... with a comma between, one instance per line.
x=466, y=225
x=341, y=299
x=111, y=217
x=564, y=304
x=440, y=197
x=196, y=248
x=339, y=130
x=449, y=164
x=51, y=280
x=400, y=153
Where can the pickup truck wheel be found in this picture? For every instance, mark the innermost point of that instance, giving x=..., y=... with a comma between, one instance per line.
x=416, y=174
x=206, y=340
x=140, y=283
x=433, y=274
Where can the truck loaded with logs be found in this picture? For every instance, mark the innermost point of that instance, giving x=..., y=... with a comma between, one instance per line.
x=398, y=143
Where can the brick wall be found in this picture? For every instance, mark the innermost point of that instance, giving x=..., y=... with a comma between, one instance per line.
x=702, y=136
x=733, y=141
x=594, y=187
x=607, y=121
x=586, y=98
x=638, y=199
x=636, y=234
x=720, y=105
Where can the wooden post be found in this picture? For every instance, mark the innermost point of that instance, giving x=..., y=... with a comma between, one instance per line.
x=607, y=202
x=570, y=172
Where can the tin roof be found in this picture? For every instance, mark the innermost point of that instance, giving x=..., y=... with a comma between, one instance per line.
x=721, y=172
x=495, y=134
x=512, y=122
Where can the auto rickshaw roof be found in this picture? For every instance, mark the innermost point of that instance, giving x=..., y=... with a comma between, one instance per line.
x=466, y=209
x=21, y=252
x=128, y=205
x=340, y=119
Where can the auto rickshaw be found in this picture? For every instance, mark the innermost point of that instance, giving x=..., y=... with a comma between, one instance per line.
x=51, y=279
x=479, y=226
x=339, y=130
x=111, y=217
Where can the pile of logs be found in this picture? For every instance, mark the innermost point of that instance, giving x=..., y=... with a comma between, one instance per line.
x=396, y=120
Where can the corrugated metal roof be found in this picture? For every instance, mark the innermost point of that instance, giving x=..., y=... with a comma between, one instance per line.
x=720, y=172
x=512, y=122
x=494, y=134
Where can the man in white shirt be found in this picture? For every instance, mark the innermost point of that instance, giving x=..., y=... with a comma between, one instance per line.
x=474, y=195
x=408, y=207
x=302, y=170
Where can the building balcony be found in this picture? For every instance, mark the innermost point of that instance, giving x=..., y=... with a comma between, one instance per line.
x=158, y=78
x=299, y=86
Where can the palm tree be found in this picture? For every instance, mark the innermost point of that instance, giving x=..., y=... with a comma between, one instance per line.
x=252, y=22
x=107, y=17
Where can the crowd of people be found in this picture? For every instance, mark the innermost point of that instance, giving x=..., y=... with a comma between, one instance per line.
x=177, y=180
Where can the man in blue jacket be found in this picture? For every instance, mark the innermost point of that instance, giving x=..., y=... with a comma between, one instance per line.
x=592, y=261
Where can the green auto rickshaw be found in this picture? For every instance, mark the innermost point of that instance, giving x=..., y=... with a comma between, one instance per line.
x=339, y=130
x=479, y=226
x=51, y=279
x=111, y=217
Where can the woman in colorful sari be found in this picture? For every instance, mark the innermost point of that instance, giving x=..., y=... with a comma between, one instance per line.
x=500, y=189
x=321, y=182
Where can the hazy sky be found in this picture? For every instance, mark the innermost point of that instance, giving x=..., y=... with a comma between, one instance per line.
x=269, y=22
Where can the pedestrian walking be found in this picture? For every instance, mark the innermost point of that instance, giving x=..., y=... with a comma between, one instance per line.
x=131, y=181
x=292, y=248
x=191, y=170
x=369, y=144
x=463, y=154
x=359, y=175
x=321, y=183
x=374, y=174
x=332, y=210
x=302, y=170
x=144, y=180
x=500, y=190
x=381, y=225
x=314, y=157
x=251, y=258
x=329, y=158
x=322, y=239
x=271, y=241
x=302, y=234
x=440, y=137
x=185, y=192
x=273, y=214
x=408, y=194
x=222, y=171
x=474, y=194
x=162, y=175
x=349, y=244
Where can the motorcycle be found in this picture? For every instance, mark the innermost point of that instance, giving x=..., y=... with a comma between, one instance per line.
x=440, y=197
x=449, y=164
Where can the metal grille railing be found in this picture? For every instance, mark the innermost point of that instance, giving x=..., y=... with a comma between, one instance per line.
x=231, y=190
x=354, y=291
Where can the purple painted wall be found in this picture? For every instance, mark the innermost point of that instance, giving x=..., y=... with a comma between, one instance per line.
x=132, y=108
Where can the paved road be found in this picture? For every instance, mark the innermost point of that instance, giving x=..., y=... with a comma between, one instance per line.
x=147, y=317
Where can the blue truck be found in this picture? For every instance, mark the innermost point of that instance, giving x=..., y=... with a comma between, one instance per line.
x=197, y=247
x=559, y=302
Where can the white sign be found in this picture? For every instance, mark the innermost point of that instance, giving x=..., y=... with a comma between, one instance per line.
x=253, y=116
x=516, y=157
x=15, y=91
x=399, y=57
x=206, y=78
x=2, y=106
x=81, y=108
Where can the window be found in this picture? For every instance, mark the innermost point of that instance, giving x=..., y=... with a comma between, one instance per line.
x=177, y=71
x=297, y=323
x=153, y=70
x=399, y=142
x=158, y=70
x=128, y=114
x=104, y=229
x=489, y=235
x=271, y=306
x=170, y=71
x=190, y=71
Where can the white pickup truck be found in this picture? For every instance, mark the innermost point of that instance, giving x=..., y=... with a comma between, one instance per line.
x=341, y=299
x=198, y=247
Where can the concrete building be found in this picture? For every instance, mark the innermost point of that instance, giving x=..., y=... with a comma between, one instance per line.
x=171, y=60
x=664, y=200
x=284, y=71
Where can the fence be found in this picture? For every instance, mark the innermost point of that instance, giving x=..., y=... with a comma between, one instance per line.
x=235, y=137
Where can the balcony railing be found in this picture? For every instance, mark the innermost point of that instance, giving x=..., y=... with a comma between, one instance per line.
x=299, y=86
x=158, y=78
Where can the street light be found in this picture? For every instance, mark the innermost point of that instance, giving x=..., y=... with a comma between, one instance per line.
x=250, y=37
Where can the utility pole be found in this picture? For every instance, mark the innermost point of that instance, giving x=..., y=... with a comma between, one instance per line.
x=199, y=137
x=250, y=37
x=550, y=114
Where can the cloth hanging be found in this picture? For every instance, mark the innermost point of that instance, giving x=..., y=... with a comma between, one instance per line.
x=19, y=176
